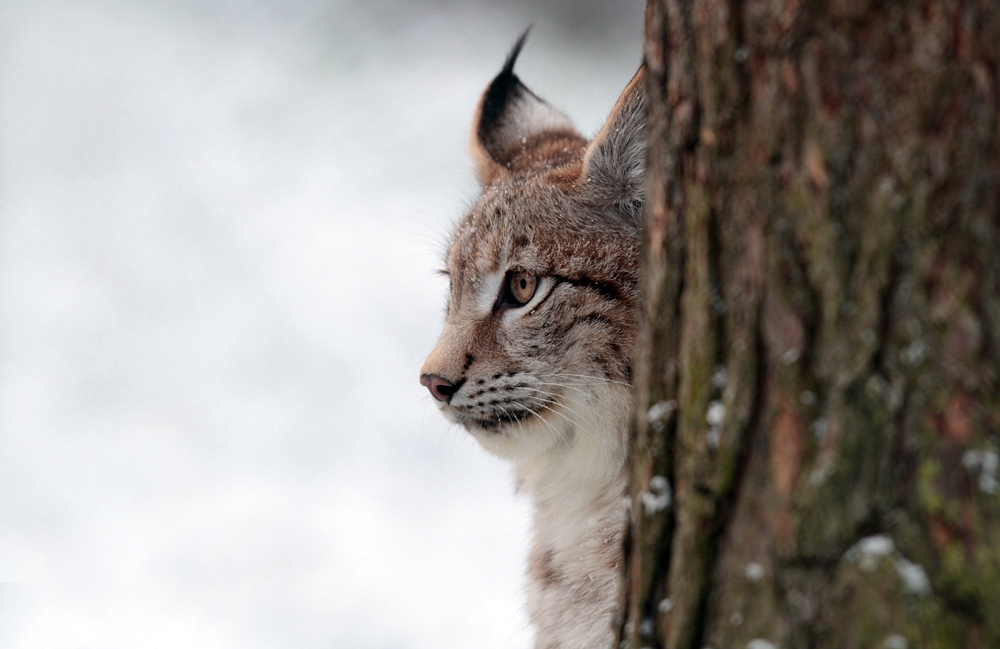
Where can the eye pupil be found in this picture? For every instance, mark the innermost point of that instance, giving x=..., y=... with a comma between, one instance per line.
x=522, y=287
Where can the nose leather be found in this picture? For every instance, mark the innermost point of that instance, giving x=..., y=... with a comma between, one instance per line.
x=440, y=388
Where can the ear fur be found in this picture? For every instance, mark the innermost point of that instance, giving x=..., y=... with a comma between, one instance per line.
x=615, y=161
x=507, y=116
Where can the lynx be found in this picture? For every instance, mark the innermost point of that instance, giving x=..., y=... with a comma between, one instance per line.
x=535, y=357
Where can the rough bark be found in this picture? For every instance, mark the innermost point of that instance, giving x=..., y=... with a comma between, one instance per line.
x=818, y=366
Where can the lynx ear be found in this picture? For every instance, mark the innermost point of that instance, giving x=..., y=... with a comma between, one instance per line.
x=615, y=160
x=508, y=115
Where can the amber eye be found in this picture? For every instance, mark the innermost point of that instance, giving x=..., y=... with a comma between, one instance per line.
x=522, y=286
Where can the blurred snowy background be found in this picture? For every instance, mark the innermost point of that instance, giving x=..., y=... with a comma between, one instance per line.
x=219, y=225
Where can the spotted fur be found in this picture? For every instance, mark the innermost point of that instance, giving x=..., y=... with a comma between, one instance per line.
x=546, y=384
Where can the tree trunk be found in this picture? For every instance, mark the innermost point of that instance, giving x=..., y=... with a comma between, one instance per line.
x=819, y=341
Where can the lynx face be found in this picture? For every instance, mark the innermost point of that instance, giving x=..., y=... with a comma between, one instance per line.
x=536, y=347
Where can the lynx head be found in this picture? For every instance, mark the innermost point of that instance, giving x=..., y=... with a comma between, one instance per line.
x=536, y=348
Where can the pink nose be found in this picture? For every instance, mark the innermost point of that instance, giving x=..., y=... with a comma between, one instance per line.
x=441, y=389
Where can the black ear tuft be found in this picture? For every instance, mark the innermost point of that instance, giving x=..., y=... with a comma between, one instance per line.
x=504, y=87
x=508, y=114
x=508, y=65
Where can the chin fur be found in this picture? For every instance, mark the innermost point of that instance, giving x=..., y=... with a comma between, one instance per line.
x=524, y=439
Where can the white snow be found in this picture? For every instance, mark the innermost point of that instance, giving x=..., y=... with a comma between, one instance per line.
x=913, y=575
x=715, y=416
x=760, y=643
x=719, y=377
x=819, y=429
x=914, y=353
x=659, y=414
x=986, y=463
x=879, y=545
x=895, y=641
x=871, y=550
x=716, y=413
x=659, y=496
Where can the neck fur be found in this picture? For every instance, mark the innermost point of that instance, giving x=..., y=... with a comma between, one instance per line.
x=578, y=490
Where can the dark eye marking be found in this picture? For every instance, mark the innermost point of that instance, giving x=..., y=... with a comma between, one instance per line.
x=526, y=285
x=606, y=289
